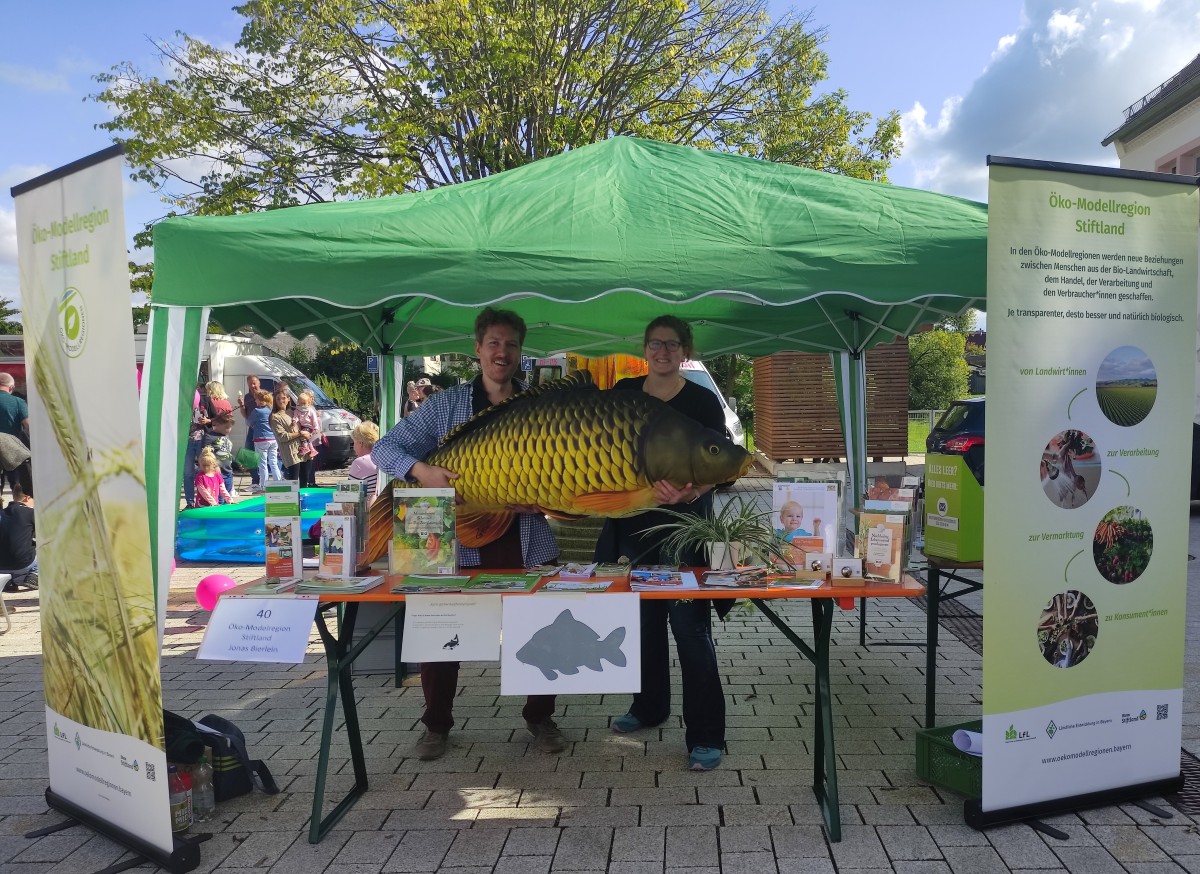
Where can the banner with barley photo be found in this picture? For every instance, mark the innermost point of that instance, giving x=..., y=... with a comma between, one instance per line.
x=104, y=722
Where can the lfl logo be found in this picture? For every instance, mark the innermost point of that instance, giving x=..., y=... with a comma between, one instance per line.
x=1013, y=736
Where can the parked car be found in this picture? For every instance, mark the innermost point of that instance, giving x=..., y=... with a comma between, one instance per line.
x=960, y=432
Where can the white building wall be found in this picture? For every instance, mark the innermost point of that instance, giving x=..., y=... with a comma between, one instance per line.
x=1171, y=146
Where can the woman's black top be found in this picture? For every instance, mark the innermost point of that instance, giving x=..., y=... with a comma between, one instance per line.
x=624, y=537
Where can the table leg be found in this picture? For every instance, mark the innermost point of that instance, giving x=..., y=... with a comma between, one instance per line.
x=339, y=657
x=824, y=757
x=862, y=622
x=933, y=597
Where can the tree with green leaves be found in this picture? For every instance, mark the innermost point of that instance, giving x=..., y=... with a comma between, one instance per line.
x=937, y=370
x=8, y=324
x=329, y=99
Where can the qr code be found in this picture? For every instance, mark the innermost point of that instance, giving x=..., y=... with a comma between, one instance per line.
x=1162, y=711
x=150, y=772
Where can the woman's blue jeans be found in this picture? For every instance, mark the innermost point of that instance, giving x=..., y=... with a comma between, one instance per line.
x=703, y=697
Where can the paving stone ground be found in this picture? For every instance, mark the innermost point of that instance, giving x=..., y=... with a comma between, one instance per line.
x=608, y=803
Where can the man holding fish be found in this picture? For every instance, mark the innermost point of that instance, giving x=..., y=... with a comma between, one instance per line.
x=525, y=542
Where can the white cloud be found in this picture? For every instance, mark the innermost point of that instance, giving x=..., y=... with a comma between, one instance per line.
x=33, y=79
x=1052, y=91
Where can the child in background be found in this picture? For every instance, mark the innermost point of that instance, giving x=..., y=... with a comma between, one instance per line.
x=18, y=552
x=265, y=443
x=305, y=415
x=216, y=438
x=210, y=485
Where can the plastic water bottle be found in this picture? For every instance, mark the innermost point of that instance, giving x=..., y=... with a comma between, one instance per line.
x=180, y=800
x=204, y=799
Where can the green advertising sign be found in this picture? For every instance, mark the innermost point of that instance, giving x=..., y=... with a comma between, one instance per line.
x=953, y=509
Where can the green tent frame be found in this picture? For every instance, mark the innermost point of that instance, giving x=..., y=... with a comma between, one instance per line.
x=588, y=246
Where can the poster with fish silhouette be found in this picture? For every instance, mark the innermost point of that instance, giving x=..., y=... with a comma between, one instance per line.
x=564, y=644
x=451, y=628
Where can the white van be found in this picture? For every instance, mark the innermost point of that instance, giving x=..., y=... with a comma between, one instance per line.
x=696, y=372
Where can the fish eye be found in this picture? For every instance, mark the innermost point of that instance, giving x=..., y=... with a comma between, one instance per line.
x=714, y=449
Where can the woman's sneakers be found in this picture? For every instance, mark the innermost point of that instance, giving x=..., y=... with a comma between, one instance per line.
x=627, y=723
x=703, y=758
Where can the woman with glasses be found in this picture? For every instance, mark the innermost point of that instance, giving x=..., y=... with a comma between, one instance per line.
x=668, y=342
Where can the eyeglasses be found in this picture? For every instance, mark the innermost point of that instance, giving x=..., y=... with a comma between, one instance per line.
x=659, y=345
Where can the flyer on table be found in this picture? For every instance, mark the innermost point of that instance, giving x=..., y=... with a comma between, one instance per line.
x=1092, y=285
x=104, y=725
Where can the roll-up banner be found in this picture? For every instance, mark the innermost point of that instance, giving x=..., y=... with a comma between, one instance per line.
x=1092, y=289
x=104, y=722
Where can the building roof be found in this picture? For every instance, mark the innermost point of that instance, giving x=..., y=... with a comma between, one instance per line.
x=1164, y=100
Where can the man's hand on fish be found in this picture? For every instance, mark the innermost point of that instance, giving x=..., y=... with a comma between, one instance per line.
x=430, y=476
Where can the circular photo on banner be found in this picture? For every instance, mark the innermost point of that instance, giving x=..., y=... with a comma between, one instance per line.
x=1126, y=386
x=1070, y=469
x=1122, y=545
x=1067, y=629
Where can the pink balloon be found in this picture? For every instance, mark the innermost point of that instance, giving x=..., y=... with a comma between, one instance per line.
x=211, y=587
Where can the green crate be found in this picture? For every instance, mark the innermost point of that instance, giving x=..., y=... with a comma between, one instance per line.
x=940, y=761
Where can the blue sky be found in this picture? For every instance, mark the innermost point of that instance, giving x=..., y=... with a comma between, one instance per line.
x=1024, y=78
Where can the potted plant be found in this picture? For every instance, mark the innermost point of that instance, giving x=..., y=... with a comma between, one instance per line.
x=738, y=533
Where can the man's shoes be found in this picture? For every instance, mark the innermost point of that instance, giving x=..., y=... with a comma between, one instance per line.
x=31, y=580
x=546, y=736
x=703, y=758
x=10, y=586
x=432, y=745
x=627, y=723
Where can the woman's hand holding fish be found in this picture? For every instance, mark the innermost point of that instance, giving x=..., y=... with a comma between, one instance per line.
x=667, y=493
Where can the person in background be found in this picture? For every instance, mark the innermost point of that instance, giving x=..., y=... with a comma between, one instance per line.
x=216, y=438
x=364, y=437
x=499, y=335
x=18, y=554
x=248, y=403
x=413, y=401
x=210, y=485
x=290, y=436
x=668, y=342
x=15, y=462
x=264, y=441
x=215, y=400
x=306, y=417
x=200, y=421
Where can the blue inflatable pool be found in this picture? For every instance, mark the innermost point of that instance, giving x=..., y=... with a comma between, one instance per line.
x=234, y=532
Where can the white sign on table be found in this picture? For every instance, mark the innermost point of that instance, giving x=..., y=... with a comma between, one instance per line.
x=451, y=628
x=271, y=629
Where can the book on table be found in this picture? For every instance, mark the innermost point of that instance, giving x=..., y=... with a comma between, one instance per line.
x=881, y=545
x=423, y=536
x=501, y=583
x=339, y=585
x=659, y=578
x=596, y=584
x=273, y=586
x=428, y=584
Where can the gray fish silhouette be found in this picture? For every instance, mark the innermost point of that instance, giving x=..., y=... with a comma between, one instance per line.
x=566, y=645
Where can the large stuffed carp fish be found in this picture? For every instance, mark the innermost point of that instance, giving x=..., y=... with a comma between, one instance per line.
x=572, y=451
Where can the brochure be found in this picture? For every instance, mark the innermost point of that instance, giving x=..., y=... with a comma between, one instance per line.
x=272, y=586
x=349, y=494
x=805, y=514
x=416, y=584
x=500, y=583
x=340, y=585
x=283, y=546
x=592, y=585
x=576, y=571
x=337, y=542
x=881, y=545
x=423, y=538
x=658, y=579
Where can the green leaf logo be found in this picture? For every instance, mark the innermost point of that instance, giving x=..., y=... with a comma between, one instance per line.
x=72, y=322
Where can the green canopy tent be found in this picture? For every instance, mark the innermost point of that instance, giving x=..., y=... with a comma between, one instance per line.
x=587, y=246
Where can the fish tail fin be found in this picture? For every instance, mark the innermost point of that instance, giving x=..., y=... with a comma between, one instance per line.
x=610, y=647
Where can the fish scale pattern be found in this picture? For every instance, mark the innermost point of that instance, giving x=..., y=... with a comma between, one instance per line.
x=549, y=449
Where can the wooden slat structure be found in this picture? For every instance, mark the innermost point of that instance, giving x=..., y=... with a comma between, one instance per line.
x=795, y=405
